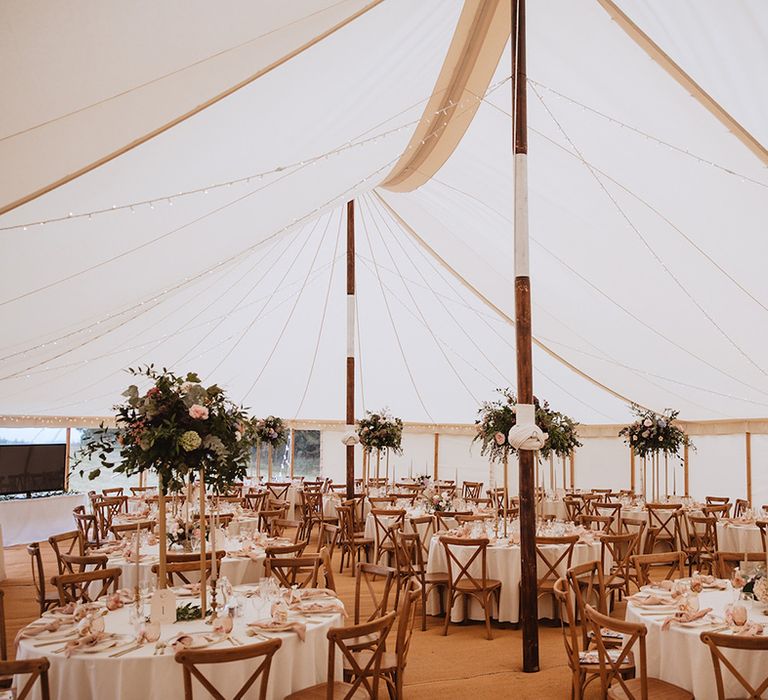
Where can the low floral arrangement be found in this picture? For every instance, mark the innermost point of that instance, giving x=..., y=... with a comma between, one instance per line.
x=175, y=428
x=424, y=480
x=756, y=585
x=440, y=503
x=181, y=533
x=497, y=418
x=188, y=612
x=653, y=433
x=380, y=431
x=271, y=430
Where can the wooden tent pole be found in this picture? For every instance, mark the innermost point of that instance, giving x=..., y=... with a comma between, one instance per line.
x=748, y=446
x=350, y=408
x=67, y=454
x=631, y=470
x=685, y=470
x=572, y=459
x=293, y=449
x=269, y=462
x=528, y=588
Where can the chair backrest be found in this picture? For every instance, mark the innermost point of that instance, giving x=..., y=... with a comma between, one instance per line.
x=254, y=501
x=604, y=508
x=471, y=489
x=311, y=504
x=728, y=561
x=722, y=510
x=385, y=522
x=574, y=507
x=701, y=534
x=599, y=523
x=303, y=572
x=259, y=656
x=459, y=566
x=406, y=617
x=717, y=500
x=105, y=510
x=38, y=574
x=619, y=549
x=142, y=490
x=35, y=668
x=762, y=525
x=78, y=588
x=740, y=507
x=373, y=586
x=425, y=526
x=663, y=519
x=88, y=525
x=382, y=501
x=611, y=660
x=266, y=518
x=328, y=537
x=113, y=492
x=554, y=553
x=587, y=586
x=75, y=564
x=278, y=490
x=717, y=642
x=126, y=530
x=364, y=670
x=675, y=561
x=67, y=543
x=176, y=571
x=409, y=555
x=569, y=628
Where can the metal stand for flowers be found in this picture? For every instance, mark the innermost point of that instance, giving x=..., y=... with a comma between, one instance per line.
x=162, y=526
x=203, y=577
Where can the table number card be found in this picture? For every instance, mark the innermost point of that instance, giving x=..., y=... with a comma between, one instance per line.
x=163, y=607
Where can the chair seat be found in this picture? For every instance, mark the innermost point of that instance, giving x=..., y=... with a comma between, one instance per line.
x=363, y=541
x=627, y=664
x=436, y=578
x=469, y=587
x=388, y=660
x=657, y=690
x=617, y=582
x=320, y=692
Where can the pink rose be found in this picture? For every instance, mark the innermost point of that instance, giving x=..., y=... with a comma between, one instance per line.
x=499, y=437
x=198, y=412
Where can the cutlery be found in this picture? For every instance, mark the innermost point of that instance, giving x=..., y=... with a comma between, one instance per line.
x=122, y=652
x=58, y=640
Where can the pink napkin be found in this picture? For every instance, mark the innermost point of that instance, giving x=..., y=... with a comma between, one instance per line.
x=276, y=626
x=36, y=628
x=751, y=629
x=649, y=600
x=182, y=642
x=87, y=640
x=684, y=616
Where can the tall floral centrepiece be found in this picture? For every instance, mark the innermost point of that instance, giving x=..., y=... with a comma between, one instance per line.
x=271, y=431
x=381, y=432
x=175, y=428
x=653, y=433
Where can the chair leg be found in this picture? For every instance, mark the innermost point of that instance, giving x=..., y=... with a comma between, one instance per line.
x=448, y=613
x=423, y=608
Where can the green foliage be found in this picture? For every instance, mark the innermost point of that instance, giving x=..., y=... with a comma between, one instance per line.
x=271, y=431
x=380, y=431
x=497, y=418
x=653, y=433
x=174, y=429
x=187, y=612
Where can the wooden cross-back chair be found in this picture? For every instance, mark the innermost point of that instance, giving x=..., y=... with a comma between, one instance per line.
x=88, y=526
x=497, y=498
x=674, y=561
x=373, y=588
x=589, y=500
x=582, y=671
x=70, y=543
x=363, y=671
x=411, y=566
x=127, y=530
x=574, y=507
x=286, y=550
x=701, y=538
x=36, y=669
x=740, y=507
x=311, y=510
x=75, y=564
x=385, y=522
x=728, y=561
x=80, y=587
x=45, y=598
x=143, y=490
x=664, y=525
x=266, y=518
x=587, y=587
x=718, y=511
x=178, y=566
x=382, y=501
x=405, y=499
x=613, y=678
x=426, y=527
x=105, y=510
x=278, y=490
x=350, y=541
x=306, y=571
x=471, y=489
x=113, y=492
x=461, y=581
x=619, y=549
x=603, y=509
x=762, y=526
x=328, y=537
x=717, y=500
x=599, y=523
x=718, y=642
x=259, y=657
x=552, y=553
x=254, y=501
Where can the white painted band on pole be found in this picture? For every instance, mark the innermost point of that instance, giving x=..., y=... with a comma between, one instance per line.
x=522, y=266
x=350, y=436
x=350, y=325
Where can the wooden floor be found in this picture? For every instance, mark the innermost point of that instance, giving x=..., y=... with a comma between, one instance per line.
x=460, y=665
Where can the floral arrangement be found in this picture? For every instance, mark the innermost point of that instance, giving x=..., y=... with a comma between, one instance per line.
x=440, y=503
x=180, y=533
x=424, y=480
x=380, y=431
x=756, y=585
x=271, y=430
x=497, y=418
x=175, y=428
x=652, y=433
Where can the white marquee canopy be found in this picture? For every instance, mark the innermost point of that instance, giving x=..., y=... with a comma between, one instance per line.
x=174, y=176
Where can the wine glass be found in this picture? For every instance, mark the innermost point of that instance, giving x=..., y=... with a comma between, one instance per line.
x=737, y=582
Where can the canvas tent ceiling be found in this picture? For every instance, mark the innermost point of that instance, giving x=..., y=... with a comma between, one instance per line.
x=646, y=213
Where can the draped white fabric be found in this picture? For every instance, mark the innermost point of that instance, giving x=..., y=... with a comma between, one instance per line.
x=647, y=259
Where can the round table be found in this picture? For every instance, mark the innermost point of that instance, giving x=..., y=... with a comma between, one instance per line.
x=140, y=675
x=738, y=537
x=678, y=656
x=503, y=564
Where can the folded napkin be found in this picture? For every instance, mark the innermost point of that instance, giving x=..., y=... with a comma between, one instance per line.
x=308, y=593
x=320, y=606
x=277, y=626
x=685, y=616
x=751, y=629
x=649, y=600
x=120, y=598
x=84, y=642
x=37, y=628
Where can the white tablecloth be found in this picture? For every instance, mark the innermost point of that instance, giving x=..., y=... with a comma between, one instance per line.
x=678, y=656
x=26, y=520
x=738, y=538
x=504, y=565
x=140, y=675
x=556, y=508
